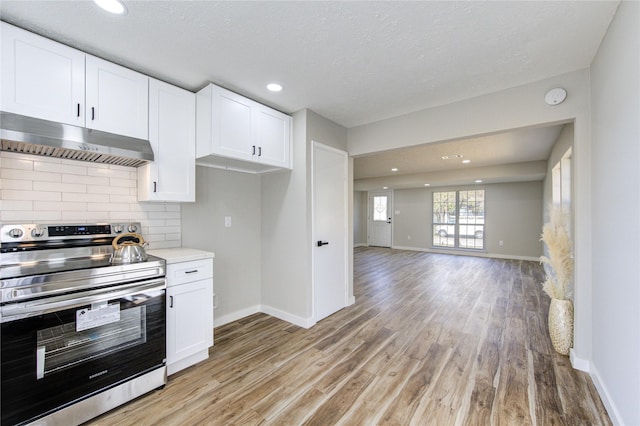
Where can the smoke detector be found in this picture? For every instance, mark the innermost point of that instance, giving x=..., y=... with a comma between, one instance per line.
x=555, y=96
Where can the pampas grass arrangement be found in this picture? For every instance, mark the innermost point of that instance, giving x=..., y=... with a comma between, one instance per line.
x=559, y=257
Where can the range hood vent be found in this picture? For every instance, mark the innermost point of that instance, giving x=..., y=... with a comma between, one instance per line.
x=29, y=135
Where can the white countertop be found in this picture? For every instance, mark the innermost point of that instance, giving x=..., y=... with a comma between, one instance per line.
x=181, y=254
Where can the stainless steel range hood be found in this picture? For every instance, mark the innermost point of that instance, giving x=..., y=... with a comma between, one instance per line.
x=29, y=135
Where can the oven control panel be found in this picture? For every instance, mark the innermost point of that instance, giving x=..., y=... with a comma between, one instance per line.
x=49, y=232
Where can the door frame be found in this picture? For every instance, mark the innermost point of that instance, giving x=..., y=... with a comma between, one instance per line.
x=315, y=144
x=370, y=194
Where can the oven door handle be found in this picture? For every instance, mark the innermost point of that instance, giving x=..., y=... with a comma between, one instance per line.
x=15, y=311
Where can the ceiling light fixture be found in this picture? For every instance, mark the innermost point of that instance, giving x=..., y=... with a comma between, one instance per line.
x=395, y=169
x=466, y=161
x=427, y=184
x=112, y=6
x=451, y=157
x=478, y=180
x=274, y=87
x=385, y=187
x=555, y=96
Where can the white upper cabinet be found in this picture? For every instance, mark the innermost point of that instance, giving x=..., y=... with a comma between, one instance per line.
x=117, y=99
x=41, y=78
x=48, y=80
x=273, y=128
x=237, y=133
x=172, y=133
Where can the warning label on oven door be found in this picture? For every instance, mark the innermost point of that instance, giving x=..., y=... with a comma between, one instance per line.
x=97, y=315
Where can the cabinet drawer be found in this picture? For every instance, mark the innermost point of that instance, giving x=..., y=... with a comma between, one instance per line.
x=184, y=272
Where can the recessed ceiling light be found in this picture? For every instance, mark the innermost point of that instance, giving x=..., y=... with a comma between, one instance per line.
x=427, y=184
x=112, y=6
x=274, y=87
x=451, y=157
x=395, y=169
x=466, y=161
x=385, y=187
x=478, y=180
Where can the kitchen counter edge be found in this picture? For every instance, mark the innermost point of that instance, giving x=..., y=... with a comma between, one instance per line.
x=182, y=254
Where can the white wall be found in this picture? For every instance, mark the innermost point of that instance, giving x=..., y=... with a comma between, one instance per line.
x=286, y=223
x=615, y=100
x=564, y=142
x=236, y=267
x=513, y=215
x=37, y=189
x=359, y=217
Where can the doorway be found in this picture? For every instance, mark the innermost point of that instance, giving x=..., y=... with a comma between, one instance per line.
x=330, y=229
x=379, y=224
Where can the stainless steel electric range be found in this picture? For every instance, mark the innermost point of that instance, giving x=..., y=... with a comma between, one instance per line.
x=79, y=334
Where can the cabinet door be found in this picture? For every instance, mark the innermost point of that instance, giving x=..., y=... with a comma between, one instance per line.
x=117, y=99
x=41, y=78
x=189, y=319
x=172, y=124
x=272, y=137
x=232, y=125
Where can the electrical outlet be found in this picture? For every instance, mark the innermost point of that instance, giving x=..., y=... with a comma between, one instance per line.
x=227, y=221
x=500, y=243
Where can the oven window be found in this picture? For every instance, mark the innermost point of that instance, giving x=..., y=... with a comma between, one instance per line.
x=61, y=346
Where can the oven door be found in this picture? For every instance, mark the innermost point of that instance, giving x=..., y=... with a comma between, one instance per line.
x=60, y=350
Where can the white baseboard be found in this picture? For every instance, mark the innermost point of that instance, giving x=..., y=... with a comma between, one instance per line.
x=468, y=253
x=351, y=300
x=285, y=316
x=613, y=412
x=234, y=316
x=579, y=363
x=360, y=245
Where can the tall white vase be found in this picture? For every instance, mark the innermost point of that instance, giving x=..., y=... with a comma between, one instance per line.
x=561, y=325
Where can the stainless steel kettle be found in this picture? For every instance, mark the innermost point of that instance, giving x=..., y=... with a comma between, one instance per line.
x=131, y=250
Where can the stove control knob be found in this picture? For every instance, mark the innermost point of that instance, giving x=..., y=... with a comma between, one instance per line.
x=118, y=229
x=15, y=233
x=37, y=232
x=133, y=228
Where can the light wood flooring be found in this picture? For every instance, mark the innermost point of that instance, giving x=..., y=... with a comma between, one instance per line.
x=432, y=340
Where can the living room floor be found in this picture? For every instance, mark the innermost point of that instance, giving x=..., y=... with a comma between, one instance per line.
x=433, y=339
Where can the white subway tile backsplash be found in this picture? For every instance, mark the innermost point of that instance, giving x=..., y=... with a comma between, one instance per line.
x=42, y=166
x=16, y=205
x=24, y=185
x=118, y=174
x=122, y=198
x=29, y=175
x=111, y=207
x=59, y=206
x=84, y=217
x=16, y=163
x=29, y=216
x=106, y=189
x=127, y=183
x=60, y=187
x=82, y=198
x=12, y=194
x=49, y=190
x=86, y=180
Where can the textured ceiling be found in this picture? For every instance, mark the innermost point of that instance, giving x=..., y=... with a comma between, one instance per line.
x=514, y=156
x=352, y=62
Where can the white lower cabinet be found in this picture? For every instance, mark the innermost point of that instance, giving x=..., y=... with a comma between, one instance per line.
x=189, y=313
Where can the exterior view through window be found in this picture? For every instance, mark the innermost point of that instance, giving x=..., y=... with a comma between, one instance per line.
x=458, y=219
x=380, y=208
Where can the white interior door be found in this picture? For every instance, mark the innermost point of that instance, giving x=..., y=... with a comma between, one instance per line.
x=380, y=225
x=330, y=224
